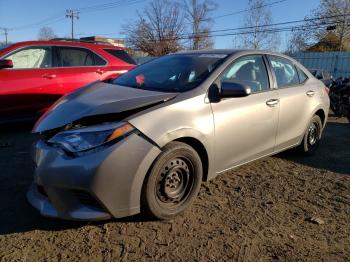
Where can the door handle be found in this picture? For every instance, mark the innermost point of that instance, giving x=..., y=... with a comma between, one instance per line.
x=49, y=76
x=99, y=71
x=310, y=93
x=272, y=102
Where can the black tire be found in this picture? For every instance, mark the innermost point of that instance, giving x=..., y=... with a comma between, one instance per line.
x=173, y=181
x=312, y=136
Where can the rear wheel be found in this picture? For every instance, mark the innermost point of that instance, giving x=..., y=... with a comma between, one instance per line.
x=312, y=136
x=173, y=181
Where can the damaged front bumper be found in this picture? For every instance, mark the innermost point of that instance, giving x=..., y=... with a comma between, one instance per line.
x=96, y=186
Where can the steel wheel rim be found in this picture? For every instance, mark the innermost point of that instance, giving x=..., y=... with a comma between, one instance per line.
x=175, y=181
x=312, y=134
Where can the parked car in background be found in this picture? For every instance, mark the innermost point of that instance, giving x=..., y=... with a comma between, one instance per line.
x=146, y=140
x=340, y=97
x=323, y=75
x=33, y=75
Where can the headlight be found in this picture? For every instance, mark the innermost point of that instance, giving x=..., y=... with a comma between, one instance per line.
x=83, y=139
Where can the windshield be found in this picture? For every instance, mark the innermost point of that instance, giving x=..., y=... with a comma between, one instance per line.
x=172, y=73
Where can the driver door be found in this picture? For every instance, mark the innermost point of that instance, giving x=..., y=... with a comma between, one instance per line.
x=245, y=127
x=27, y=88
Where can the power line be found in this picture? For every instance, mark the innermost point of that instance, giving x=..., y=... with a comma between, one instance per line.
x=268, y=27
x=60, y=17
x=280, y=23
x=250, y=9
x=102, y=7
x=190, y=36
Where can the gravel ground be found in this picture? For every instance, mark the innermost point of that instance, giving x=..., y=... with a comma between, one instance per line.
x=284, y=207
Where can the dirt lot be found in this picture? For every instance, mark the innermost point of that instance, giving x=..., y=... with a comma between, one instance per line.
x=284, y=207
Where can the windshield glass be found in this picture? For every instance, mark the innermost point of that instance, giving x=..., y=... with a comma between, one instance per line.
x=172, y=73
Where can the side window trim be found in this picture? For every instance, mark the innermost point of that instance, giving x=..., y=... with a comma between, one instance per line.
x=272, y=80
x=55, y=57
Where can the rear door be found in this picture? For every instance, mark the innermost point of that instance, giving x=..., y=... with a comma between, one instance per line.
x=77, y=67
x=245, y=127
x=27, y=87
x=296, y=100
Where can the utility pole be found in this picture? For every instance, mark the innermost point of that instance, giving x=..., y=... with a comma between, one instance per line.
x=5, y=33
x=72, y=14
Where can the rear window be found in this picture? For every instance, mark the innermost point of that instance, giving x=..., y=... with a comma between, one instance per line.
x=285, y=72
x=75, y=56
x=122, y=55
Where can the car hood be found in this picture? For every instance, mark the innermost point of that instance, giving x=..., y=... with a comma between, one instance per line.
x=96, y=99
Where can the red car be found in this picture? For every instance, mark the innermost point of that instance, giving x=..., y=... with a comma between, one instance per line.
x=35, y=74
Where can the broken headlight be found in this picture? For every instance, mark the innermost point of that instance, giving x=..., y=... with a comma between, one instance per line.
x=84, y=139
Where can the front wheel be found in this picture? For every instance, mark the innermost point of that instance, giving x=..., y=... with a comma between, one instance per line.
x=173, y=181
x=312, y=136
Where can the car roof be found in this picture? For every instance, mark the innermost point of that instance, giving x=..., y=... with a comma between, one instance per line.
x=66, y=43
x=231, y=52
x=210, y=51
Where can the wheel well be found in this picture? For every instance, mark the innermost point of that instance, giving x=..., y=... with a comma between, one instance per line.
x=322, y=115
x=200, y=149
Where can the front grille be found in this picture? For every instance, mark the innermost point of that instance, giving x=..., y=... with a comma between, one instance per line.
x=86, y=199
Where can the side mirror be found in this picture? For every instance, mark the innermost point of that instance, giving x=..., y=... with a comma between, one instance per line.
x=232, y=89
x=6, y=63
x=319, y=77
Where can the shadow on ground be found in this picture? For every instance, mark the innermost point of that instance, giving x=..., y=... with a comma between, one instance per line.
x=333, y=153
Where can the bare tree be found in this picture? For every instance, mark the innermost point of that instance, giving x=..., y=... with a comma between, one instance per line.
x=332, y=12
x=255, y=35
x=197, y=13
x=158, y=30
x=46, y=33
x=327, y=28
x=298, y=41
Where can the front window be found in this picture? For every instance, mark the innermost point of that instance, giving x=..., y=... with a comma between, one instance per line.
x=172, y=73
x=250, y=71
x=32, y=57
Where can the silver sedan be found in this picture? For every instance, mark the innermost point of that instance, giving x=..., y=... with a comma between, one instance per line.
x=145, y=141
